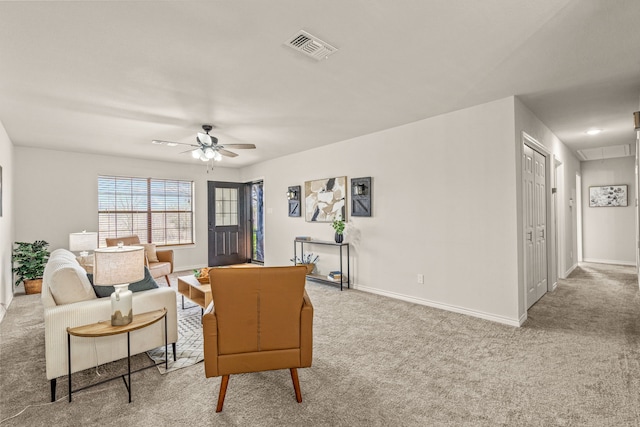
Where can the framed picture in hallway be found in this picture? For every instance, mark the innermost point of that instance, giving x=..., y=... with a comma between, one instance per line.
x=608, y=196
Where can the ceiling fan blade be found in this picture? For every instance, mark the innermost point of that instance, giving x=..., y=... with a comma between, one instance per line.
x=172, y=143
x=204, y=138
x=188, y=151
x=240, y=146
x=226, y=152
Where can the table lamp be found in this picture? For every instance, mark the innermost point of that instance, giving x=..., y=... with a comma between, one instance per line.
x=83, y=242
x=118, y=266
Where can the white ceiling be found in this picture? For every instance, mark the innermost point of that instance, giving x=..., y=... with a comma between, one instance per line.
x=109, y=77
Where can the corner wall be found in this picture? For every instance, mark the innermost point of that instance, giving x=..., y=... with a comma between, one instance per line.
x=56, y=194
x=607, y=232
x=526, y=121
x=6, y=221
x=444, y=205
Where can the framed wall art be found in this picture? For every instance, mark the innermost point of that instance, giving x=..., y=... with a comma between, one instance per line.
x=324, y=199
x=608, y=196
x=361, y=196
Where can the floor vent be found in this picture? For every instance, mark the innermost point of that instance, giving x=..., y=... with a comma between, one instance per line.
x=310, y=45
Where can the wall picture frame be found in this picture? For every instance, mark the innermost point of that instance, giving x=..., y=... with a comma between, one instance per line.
x=361, y=194
x=324, y=199
x=608, y=196
x=295, y=206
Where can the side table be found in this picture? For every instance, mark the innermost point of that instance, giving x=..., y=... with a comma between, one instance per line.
x=104, y=329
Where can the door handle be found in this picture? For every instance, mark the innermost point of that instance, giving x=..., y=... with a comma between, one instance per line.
x=530, y=236
x=542, y=233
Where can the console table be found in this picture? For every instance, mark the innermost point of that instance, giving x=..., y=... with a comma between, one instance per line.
x=104, y=329
x=319, y=277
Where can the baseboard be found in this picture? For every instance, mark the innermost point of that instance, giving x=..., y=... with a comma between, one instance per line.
x=569, y=271
x=441, y=306
x=188, y=267
x=609, y=261
x=523, y=319
x=554, y=286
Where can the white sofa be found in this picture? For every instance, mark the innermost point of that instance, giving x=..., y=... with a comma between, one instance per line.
x=69, y=300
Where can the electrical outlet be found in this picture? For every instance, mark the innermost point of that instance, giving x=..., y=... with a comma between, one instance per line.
x=421, y=279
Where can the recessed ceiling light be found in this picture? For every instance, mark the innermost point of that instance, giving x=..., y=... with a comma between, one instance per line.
x=593, y=131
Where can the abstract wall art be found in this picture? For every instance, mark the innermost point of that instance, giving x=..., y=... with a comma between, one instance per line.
x=608, y=196
x=325, y=199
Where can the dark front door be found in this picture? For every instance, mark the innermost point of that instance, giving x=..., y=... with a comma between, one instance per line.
x=227, y=223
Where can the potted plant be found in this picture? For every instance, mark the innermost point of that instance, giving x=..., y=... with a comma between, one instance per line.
x=30, y=259
x=338, y=226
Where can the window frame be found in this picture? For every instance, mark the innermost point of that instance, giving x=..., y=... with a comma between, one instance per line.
x=148, y=209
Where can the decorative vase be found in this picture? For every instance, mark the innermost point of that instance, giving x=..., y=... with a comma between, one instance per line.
x=121, y=312
x=339, y=238
x=32, y=286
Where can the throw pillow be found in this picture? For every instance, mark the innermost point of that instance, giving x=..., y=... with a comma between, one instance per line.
x=143, y=285
x=150, y=252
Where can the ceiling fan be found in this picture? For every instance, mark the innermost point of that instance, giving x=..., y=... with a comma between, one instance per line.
x=207, y=147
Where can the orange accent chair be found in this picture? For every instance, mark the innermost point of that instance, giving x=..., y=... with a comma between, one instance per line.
x=159, y=266
x=262, y=320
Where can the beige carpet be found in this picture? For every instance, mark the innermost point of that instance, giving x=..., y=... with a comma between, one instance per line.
x=189, y=348
x=381, y=362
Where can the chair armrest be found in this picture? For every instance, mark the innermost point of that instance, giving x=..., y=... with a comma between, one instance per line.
x=306, y=332
x=210, y=335
x=166, y=256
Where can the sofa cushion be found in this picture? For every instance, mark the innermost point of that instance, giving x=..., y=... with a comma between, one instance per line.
x=69, y=284
x=142, y=285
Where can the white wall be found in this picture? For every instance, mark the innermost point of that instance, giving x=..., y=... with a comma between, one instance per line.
x=526, y=121
x=608, y=233
x=6, y=221
x=444, y=205
x=56, y=194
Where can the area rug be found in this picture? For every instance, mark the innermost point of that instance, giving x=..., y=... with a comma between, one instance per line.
x=189, y=348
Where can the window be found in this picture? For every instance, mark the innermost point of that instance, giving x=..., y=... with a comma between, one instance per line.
x=257, y=221
x=226, y=206
x=158, y=211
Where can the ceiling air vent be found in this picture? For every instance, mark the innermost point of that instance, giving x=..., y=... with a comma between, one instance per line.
x=310, y=45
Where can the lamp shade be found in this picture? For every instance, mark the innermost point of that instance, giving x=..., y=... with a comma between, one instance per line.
x=85, y=241
x=118, y=265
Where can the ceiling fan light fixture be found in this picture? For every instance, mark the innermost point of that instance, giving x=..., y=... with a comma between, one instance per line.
x=196, y=153
x=217, y=156
x=209, y=153
x=204, y=138
x=172, y=144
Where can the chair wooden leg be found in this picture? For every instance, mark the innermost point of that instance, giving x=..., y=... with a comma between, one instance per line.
x=296, y=384
x=168, y=281
x=223, y=392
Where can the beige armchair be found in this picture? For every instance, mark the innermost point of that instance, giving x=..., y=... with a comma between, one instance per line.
x=162, y=266
x=262, y=320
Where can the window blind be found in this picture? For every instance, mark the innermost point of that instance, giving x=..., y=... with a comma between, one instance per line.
x=159, y=211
